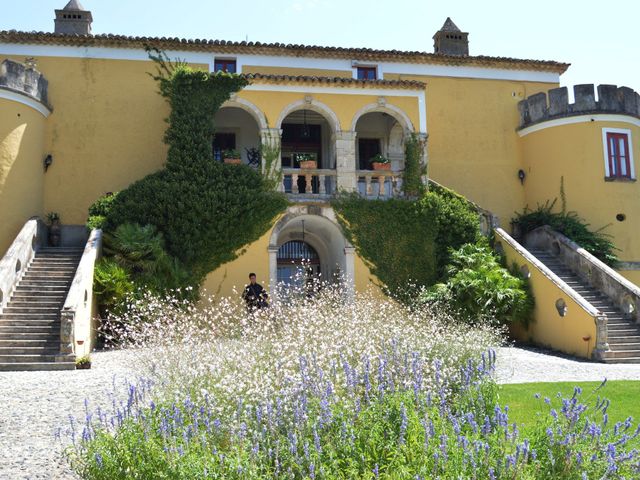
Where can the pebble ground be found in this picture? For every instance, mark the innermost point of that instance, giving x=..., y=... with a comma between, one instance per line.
x=34, y=404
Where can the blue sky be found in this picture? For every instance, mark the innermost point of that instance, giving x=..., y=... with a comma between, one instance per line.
x=600, y=41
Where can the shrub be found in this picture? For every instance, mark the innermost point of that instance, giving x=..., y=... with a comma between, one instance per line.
x=571, y=225
x=407, y=242
x=111, y=283
x=413, y=169
x=99, y=210
x=479, y=289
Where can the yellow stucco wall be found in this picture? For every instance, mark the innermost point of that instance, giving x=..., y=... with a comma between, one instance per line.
x=548, y=328
x=576, y=153
x=631, y=275
x=312, y=72
x=473, y=147
x=22, y=137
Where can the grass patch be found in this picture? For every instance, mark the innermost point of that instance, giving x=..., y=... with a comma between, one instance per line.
x=525, y=408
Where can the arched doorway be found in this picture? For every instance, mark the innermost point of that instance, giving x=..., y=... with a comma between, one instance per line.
x=298, y=266
x=307, y=241
x=308, y=136
x=236, y=129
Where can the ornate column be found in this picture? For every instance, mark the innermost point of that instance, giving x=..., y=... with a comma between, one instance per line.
x=345, y=142
x=272, y=137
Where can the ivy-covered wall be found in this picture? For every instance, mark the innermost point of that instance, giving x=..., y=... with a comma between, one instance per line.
x=407, y=242
x=204, y=211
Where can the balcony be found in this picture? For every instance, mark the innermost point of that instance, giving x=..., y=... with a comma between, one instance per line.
x=321, y=184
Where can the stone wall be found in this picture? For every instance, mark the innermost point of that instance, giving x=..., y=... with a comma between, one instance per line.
x=555, y=104
x=24, y=79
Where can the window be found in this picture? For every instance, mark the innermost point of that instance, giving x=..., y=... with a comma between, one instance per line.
x=222, y=65
x=367, y=73
x=618, y=154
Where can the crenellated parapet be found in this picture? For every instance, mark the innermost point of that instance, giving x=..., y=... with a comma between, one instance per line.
x=555, y=103
x=24, y=79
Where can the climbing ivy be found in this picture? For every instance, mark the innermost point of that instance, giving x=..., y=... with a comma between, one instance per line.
x=413, y=169
x=203, y=211
x=407, y=242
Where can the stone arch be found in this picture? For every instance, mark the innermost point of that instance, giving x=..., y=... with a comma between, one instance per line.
x=397, y=113
x=323, y=233
x=250, y=108
x=314, y=105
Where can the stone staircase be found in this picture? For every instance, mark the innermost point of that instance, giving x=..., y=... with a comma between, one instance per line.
x=30, y=323
x=624, y=334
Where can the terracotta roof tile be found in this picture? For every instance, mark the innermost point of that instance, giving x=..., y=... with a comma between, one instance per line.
x=338, y=81
x=229, y=47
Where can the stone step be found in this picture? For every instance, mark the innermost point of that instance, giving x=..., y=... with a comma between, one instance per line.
x=36, y=297
x=41, y=289
x=30, y=316
x=36, y=309
x=38, y=351
x=24, y=303
x=36, y=322
x=617, y=340
x=27, y=358
x=624, y=346
x=36, y=366
x=622, y=354
x=51, y=329
x=45, y=280
x=30, y=335
x=48, y=272
x=43, y=343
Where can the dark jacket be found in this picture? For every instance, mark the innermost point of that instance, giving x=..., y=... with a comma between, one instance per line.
x=255, y=296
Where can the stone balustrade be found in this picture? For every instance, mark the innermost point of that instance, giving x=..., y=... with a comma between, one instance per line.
x=555, y=103
x=321, y=182
x=379, y=183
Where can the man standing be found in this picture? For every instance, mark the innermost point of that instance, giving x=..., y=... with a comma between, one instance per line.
x=254, y=295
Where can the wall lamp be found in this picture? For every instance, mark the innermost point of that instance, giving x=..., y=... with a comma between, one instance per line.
x=521, y=176
x=48, y=160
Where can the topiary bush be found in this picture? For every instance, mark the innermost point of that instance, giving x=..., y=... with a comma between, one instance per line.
x=202, y=211
x=571, y=225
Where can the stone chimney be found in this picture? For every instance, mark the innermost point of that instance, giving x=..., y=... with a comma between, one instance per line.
x=73, y=19
x=449, y=40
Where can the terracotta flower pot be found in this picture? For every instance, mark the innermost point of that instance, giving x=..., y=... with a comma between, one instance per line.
x=381, y=166
x=309, y=164
x=233, y=161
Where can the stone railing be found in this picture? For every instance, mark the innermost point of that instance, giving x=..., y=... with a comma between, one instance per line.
x=18, y=257
x=555, y=103
x=24, y=79
x=319, y=182
x=624, y=294
x=76, y=317
x=379, y=183
x=564, y=324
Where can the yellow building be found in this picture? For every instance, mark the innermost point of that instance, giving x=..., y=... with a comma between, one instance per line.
x=86, y=105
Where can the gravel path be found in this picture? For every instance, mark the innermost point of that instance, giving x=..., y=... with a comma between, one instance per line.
x=518, y=365
x=34, y=404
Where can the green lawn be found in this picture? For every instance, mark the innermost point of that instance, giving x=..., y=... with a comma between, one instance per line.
x=524, y=408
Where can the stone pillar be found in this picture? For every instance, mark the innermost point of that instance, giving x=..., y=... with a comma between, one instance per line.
x=424, y=161
x=273, y=271
x=345, y=142
x=350, y=274
x=272, y=137
x=66, y=337
x=602, y=340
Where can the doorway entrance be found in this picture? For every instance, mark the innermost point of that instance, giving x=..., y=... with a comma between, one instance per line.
x=298, y=267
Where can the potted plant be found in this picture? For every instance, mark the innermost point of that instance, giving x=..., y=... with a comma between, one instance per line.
x=53, y=219
x=307, y=160
x=83, y=363
x=380, y=162
x=232, y=156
